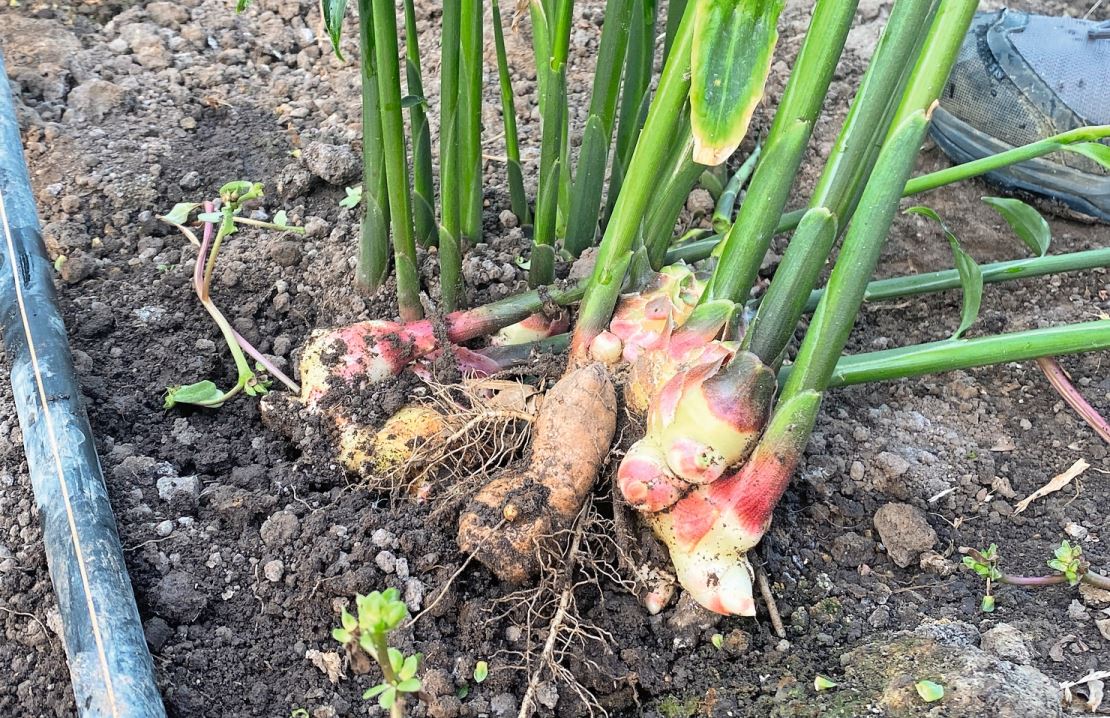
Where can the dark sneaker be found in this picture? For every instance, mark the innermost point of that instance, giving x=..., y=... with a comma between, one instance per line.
x=1020, y=78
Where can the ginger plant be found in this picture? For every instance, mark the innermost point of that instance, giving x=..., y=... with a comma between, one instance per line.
x=699, y=356
x=367, y=631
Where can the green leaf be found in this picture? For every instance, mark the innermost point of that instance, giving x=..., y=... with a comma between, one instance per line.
x=341, y=635
x=213, y=217
x=387, y=698
x=462, y=691
x=481, y=670
x=375, y=691
x=333, y=11
x=1092, y=150
x=241, y=5
x=410, y=101
x=1026, y=222
x=717, y=640
x=821, y=683
x=281, y=219
x=366, y=642
x=929, y=691
x=734, y=41
x=408, y=669
x=1058, y=565
x=987, y=604
x=396, y=659
x=180, y=212
x=971, y=281
x=354, y=196
x=349, y=622
x=409, y=685
x=202, y=393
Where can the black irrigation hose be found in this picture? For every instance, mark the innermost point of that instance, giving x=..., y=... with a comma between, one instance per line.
x=109, y=664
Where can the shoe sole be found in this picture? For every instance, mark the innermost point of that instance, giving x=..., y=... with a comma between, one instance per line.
x=1086, y=193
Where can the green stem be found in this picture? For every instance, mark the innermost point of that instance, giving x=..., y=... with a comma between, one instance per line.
x=929, y=282
x=726, y=203
x=953, y=354
x=450, y=189
x=470, y=118
x=396, y=161
x=634, y=93
x=424, y=215
x=850, y=161
x=672, y=190
x=836, y=314
x=381, y=655
x=647, y=163
x=589, y=175
x=373, y=254
x=268, y=225
x=747, y=241
x=553, y=113
x=518, y=198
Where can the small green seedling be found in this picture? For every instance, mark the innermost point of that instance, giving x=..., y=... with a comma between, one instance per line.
x=983, y=563
x=354, y=196
x=929, y=691
x=481, y=670
x=821, y=683
x=234, y=197
x=717, y=640
x=1069, y=561
x=299, y=713
x=377, y=615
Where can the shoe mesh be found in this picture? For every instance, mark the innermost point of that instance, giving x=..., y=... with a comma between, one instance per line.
x=1075, y=67
x=981, y=94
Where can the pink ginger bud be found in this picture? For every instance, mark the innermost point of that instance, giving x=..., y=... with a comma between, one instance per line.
x=606, y=348
x=644, y=479
x=644, y=321
x=532, y=329
x=710, y=530
x=370, y=351
x=709, y=415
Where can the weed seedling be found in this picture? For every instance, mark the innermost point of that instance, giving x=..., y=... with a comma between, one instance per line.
x=234, y=197
x=1067, y=561
x=377, y=615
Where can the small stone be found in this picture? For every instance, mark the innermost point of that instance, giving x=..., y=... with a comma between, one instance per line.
x=273, y=570
x=1007, y=642
x=383, y=539
x=335, y=164
x=547, y=694
x=508, y=219
x=402, y=568
x=892, y=465
x=164, y=529
x=286, y=254
x=315, y=227
x=77, y=267
x=386, y=561
x=880, y=617
x=189, y=181
x=188, y=123
x=172, y=487
x=904, y=531
x=1077, y=611
x=851, y=549
x=414, y=594
x=856, y=470
x=280, y=529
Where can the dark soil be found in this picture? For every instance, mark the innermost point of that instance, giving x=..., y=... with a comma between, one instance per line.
x=242, y=547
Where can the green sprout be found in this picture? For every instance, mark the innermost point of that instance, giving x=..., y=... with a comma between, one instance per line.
x=481, y=670
x=717, y=640
x=234, y=197
x=929, y=691
x=354, y=196
x=378, y=614
x=1070, y=562
x=983, y=563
